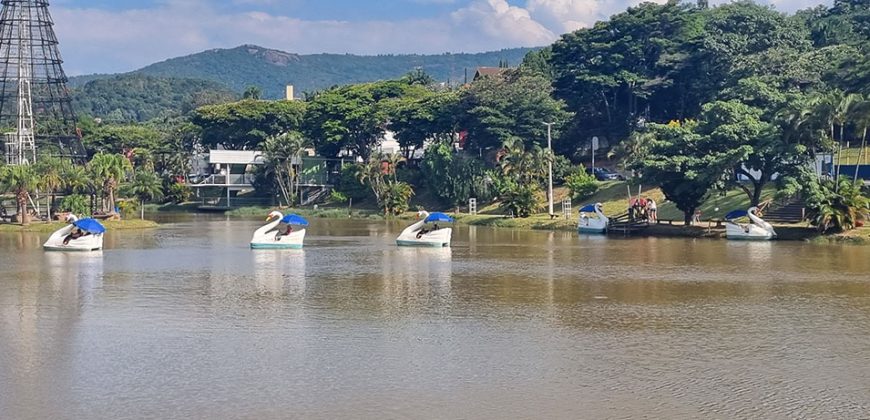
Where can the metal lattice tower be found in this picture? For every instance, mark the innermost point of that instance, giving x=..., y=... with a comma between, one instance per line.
x=35, y=104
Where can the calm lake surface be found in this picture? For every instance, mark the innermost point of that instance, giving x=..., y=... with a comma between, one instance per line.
x=186, y=322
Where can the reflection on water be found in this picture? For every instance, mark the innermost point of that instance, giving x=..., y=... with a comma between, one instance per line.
x=187, y=322
x=279, y=272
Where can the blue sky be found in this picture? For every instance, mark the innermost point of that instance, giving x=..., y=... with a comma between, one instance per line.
x=103, y=36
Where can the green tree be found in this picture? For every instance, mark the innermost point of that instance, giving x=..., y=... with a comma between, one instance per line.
x=434, y=116
x=20, y=180
x=108, y=170
x=354, y=118
x=283, y=156
x=245, y=125
x=454, y=176
x=685, y=162
x=51, y=176
x=253, y=93
x=145, y=186
x=581, y=184
x=120, y=138
x=513, y=106
x=837, y=206
x=380, y=174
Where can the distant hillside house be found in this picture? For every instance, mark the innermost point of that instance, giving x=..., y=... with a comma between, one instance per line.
x=489, y=72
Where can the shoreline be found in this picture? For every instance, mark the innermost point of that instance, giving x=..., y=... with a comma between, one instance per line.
x=708, y=230
x=48, y=227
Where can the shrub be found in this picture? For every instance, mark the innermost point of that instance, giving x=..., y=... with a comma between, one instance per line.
x=350, y=185
x=75, y=203
x=179, y=193
x=838, y=207
x=521, y=199
x=337, y=197
x=395, y=197
x=581, y=184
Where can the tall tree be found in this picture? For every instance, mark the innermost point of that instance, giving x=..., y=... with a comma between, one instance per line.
x=283, y=156
x=20, y=180
x=108, y=170
x=245, y=125
x=685, y=162
x=514, y=105
x=145, y=186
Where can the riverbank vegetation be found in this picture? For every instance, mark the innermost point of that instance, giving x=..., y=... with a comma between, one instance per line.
x=700, y=105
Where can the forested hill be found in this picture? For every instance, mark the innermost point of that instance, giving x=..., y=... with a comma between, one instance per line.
x=272, y=70
x=137, y=97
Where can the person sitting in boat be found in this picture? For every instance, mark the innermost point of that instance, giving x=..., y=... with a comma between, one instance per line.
x=75, y=234
x=434, y=227
x=422, y=232
x=286, y=232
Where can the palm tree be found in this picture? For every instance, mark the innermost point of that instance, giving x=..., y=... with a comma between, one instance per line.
x=20, y=180
x=51, y=173
x=108, y=170
x=146, y=186
x=79, y=181
x=282, y=157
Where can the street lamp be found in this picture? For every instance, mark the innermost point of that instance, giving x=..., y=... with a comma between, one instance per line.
x=550, y=167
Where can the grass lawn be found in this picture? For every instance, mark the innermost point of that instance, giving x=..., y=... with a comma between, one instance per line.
x=43, y=227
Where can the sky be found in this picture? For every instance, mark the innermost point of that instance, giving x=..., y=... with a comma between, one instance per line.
x=109, y=36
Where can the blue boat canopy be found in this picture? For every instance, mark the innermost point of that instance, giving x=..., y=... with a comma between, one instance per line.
x=90, y=226
x=439, y=217
x=294, y=219
x=589, y=208
x=736, y=214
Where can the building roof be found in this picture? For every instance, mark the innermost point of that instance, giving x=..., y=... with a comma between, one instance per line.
x=236, y=157
x=489, y=71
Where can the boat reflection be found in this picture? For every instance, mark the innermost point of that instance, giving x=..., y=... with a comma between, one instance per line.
x=279, y=272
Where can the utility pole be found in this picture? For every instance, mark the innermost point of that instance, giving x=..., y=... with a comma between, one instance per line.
x=594, y=147
x=550, y=169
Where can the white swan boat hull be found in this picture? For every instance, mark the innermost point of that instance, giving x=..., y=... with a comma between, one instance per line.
x=437, y=238
x=268, y=240
x=756, y=230
x=590, y=225
x=596, y=224
x=92, y=242
x=734, y=231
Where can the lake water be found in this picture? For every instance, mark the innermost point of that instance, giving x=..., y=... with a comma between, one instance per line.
x=186, y=322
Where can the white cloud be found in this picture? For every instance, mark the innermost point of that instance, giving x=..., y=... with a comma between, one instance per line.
x=96, y=40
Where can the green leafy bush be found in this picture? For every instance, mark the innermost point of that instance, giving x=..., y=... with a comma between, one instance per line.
x=75, y=203
x=521, y=200
x=337, y=197
x=581, y=184
x=838, y=207
x=395, y=197
x=179, y=193
x=349, y=183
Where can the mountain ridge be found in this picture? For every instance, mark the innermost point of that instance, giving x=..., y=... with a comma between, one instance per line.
x=272, y=69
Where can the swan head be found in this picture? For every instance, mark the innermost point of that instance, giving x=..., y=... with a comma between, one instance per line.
x=274, y=215
x=752, y=210
x=71, y=218
x=422, y=214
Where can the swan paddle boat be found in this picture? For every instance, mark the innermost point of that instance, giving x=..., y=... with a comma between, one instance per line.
x=281, y=232
x=757, y=229
x=426, y=232
x=77, y=235
x=596, y=224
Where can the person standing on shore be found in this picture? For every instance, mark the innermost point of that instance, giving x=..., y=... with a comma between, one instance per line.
x=651, y=209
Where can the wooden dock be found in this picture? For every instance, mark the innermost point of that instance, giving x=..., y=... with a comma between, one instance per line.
x=624, y=225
